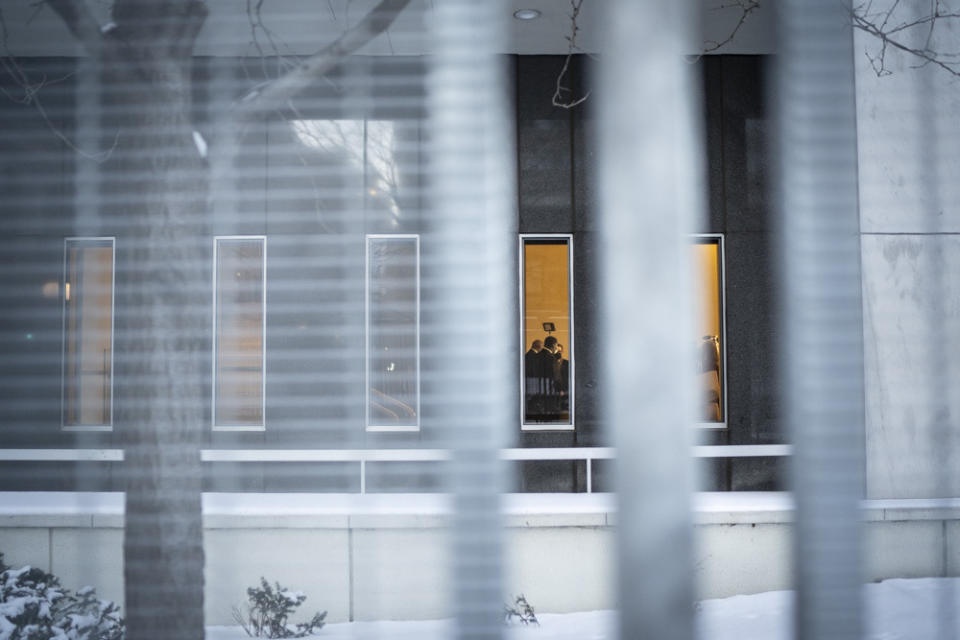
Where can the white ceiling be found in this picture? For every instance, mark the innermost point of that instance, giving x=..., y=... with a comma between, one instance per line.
x=304, y=26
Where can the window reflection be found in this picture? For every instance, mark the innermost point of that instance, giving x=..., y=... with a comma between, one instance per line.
x=393, y=332
x=238, y=346
x=88, y=332
x=547, y=332
x=708, y=272
x=368, y=145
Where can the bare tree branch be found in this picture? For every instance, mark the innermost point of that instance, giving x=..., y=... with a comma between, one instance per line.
x=746, y=7
x=915, y=36
x=82, y=24
x=275, y=94
x=559, y=95
x=257, y=26
x=99, y=40
x=31, y=97
x=194, y=14
x=181, y=22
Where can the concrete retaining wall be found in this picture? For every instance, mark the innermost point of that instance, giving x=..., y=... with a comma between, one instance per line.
x=378, y=557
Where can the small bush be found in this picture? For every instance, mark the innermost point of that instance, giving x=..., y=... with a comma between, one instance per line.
x=269, y=608
x=519, y=611
x=34, y=606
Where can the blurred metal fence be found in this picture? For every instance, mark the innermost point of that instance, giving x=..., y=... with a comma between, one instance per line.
x=470, y=206
x=650, y=195
x=378, y=173
x=823, y=332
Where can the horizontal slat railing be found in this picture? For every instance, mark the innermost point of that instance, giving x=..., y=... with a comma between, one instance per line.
x=362, y=456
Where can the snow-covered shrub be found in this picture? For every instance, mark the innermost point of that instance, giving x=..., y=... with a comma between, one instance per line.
x=34, y=606
x=269, y=608
x=521, y=611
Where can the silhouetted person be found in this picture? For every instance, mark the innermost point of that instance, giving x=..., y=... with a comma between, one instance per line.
x=547, y=361
x=530, y=359
x=561, y=370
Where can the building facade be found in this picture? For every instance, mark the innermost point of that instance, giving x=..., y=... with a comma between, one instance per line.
x=316, y=266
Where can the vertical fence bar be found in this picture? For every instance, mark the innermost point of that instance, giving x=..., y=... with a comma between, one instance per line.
x=467, y=293
x=823, y=351
x=650, y=194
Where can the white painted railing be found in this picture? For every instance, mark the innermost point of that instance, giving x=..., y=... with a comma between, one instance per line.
x=362, y=456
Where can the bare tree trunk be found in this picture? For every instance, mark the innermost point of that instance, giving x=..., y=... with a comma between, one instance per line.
x=155, y=186
x=159, y=188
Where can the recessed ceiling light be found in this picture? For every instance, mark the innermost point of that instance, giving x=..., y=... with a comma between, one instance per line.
x=526, y=14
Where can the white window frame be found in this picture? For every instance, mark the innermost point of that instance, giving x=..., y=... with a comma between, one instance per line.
x=570, y=348
x=366, y=332
x=721, y=243
x=263, y=342
x=63, y=333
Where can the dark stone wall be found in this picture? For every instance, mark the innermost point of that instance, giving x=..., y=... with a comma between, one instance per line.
x=740, y=208
x=555, y=187
x=557, y=194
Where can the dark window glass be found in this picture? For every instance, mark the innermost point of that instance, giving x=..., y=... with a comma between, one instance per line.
x=393, y=333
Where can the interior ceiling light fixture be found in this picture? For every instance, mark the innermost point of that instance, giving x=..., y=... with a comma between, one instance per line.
x=526, y=14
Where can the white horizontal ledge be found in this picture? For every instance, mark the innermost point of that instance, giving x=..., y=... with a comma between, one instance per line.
x=440, y=455
x=743, y=451
x=313, y=510
x=324, y=455
x=559, y=453
x=395, y=455
x=61, y=455
x=383, y=455
x=324, y=511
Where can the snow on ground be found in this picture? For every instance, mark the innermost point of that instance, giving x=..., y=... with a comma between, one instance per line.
x=590, y=625
x=919, y=609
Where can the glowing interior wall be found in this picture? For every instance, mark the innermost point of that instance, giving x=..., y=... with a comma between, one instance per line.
x=548, y=339
x=88, y=332
x=709, y=326
x=239, y=317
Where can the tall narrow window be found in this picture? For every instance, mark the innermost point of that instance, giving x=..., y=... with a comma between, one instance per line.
x=239, y=302
x=547, y=331
x=393, y=332
x=88, y=333
x=708, y=278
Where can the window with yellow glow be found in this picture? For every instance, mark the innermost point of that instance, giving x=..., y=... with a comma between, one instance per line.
x=707, y=255
x=88, y=333
x=547, y=332
x=239, y=317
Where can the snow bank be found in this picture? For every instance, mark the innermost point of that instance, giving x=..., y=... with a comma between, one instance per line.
x=591, y=625
x=919, y=609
